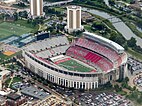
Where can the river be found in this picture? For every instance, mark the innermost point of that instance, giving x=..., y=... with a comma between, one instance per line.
x=120, y=26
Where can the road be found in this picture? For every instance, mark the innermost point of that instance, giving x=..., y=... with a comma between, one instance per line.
x=56, y=3
x=46, y=88
x=131, y=81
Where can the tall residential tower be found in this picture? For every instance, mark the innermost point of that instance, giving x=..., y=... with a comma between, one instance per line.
x=36, y=8
x=73, y=19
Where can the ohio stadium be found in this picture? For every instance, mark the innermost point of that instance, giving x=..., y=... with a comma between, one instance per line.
x=85, y=63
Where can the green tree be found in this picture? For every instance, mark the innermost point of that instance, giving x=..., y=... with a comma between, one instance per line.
x=117, y=88
x=126, y=79
x=126, y=47
x=60, y=27
x=124, y=84
x=112, y=2
x=134, y=88
x=98, y=26
x=112, y=36
x=132, y=42
x=120, y=40
x=61, y=19
x=23, y=14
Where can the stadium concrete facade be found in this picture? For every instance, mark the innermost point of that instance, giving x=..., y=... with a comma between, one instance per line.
x=86, y=63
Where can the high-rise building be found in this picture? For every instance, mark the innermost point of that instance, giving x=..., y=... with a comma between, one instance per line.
x=73, y=19
x=36, y=8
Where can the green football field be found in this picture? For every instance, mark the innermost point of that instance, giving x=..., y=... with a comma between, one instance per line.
x=7, y=29
x=74, y=66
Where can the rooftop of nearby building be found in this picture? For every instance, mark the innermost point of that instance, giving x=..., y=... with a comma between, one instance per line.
x=13, y=96
x=73, y=7
x=35, y=92
x=3, y=71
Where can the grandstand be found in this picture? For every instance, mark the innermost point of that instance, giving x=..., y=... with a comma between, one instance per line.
x=94, y=46
x=103, y=41
x=47, y=44
x=86, y=63
x=8, y=48
x=53, y=51
x=89, y=57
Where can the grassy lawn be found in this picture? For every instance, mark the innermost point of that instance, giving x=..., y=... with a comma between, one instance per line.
x=106, y=23
x=15, y=79
x=75, y=66
x=60, y=9
x=7, y=29
x=42, y=27
x=15, y=28
x=23, y=23
x=135, y=54
x=88, y=28
x=70, y=38
x=123, y=93
x=127, y=1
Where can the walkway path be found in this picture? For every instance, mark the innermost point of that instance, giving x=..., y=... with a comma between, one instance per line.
x=131, y=81
x=11, y=81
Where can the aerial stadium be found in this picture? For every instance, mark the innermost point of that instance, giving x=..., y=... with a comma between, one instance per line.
x=85, y=63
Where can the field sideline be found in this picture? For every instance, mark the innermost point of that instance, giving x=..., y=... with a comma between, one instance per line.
x=75, y=66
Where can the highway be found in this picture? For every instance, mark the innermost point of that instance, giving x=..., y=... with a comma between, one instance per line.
x=56, y=3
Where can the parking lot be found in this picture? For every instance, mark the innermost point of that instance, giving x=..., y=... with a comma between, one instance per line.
x=102, y=99
x=9, y=11
x=135, y=66
x=64, y=91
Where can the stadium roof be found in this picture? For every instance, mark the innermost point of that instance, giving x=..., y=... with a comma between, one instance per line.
x=3, y=93
x=13, y=96
x=57, y=57
x=117, y=46
x=74, y=7
x=10, y=39
x=28, y=39
x=25, y=35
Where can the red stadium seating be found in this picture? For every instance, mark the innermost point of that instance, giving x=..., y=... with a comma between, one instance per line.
x=100, y=49
x=89, y=57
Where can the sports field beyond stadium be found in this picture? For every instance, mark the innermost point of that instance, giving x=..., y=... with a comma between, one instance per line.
x=7, y=29
x=75, y=66
x=5, y=57
x=8, y=53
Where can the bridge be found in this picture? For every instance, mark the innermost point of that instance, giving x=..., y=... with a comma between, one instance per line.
x=117, y=16
x=115, y=19
x=56, y=3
